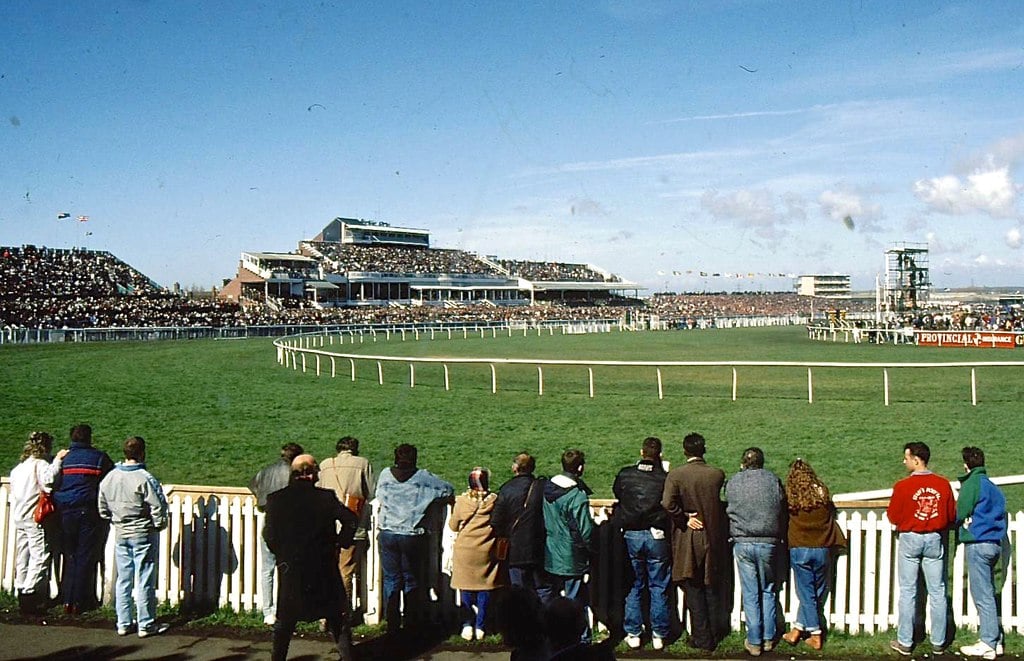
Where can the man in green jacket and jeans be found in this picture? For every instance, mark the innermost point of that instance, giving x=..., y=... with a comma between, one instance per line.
x=569, y=531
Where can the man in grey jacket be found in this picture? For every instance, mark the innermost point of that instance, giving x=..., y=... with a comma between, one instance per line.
x=756, y=512
x=133, y=500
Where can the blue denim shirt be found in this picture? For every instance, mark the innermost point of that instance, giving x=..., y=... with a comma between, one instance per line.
x=403, y=504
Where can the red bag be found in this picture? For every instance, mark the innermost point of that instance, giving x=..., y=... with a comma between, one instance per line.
x=44, y=507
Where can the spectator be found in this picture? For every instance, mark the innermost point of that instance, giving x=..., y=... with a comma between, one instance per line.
x=981, y=528
x=476, y=570
x=305, y=528
x=518, y=516
x=33, y=476
x=645, y=526
x=351, y=478
x=692, y=498
x=404, y=493
x=269, y=479
x=82, y=531
x=133, y=500
x=756, y=509
x=569, y=528
x=813, y=533
x=922, y=509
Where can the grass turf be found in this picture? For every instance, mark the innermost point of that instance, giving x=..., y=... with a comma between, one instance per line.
x=214, y=412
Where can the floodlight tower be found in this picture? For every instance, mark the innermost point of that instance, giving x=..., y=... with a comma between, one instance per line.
x=907, y=282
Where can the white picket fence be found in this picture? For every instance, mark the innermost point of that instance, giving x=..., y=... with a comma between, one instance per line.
x=209, y=555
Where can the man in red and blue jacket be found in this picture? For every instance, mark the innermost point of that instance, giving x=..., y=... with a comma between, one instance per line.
x=76, y=491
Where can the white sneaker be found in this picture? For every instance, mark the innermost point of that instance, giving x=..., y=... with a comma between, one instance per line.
x=632, y=641
x=467, y=632
x=978, y=649
x=154, y=630
x=656, y=642
x=479, y=634
x=999, y=648
x=269, y=620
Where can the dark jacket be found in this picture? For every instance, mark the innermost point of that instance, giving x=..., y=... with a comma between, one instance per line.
x=520, y=521
x=301, y=531
x=638, y=489
x=77, y=485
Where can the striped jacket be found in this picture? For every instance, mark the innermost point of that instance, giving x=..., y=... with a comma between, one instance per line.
x=78, y=482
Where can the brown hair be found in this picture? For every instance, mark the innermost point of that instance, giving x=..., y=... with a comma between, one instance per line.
x=804, y=489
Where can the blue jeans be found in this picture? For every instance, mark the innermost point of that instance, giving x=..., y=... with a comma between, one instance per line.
x=574, y=588
x=80, y=529
x=810, y=577
x=652, y=562
x=267, y=569
x=924, y=552
x=756, y=564
x=479, y=598
x=982, y=558
x=136, y=562
x=402, y=560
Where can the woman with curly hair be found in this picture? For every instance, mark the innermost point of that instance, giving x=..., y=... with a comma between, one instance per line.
x=812, y=534
x=476, y=569
x=33, y=475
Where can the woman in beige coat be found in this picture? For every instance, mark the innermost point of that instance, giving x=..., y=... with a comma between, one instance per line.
x=476, y=569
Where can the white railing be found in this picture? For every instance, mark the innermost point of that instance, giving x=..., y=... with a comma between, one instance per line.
x=209, y=556
x=322, y=353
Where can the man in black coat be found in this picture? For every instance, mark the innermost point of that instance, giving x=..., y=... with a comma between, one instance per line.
x=301, y=530
x=518, y=517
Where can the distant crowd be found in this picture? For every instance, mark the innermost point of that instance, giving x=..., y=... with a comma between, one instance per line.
x=528, y=559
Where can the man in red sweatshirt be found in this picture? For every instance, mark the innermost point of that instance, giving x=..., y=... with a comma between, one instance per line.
x=922, y=508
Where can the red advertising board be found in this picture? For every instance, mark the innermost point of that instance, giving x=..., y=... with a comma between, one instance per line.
x=980, y=339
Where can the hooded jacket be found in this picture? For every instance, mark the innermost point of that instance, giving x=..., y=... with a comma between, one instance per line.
x=569, y=525
x=983, y=503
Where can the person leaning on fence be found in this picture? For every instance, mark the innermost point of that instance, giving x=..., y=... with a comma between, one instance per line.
x=133, y=500
x=570, y=529
x=404, y=494
x=518, y=517
x=351, y=478
x=813, y=533
x=271, y=478
x=305, y=527
x=981, y=528
x=476, y=569
x=757, y=511
x=33, y=541
x=82, y=531
x=645, y=526
x=922, y=509
x=700, y=547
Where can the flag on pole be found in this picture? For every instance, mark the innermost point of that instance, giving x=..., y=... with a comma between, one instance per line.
x=83, y=219
x=62, y=215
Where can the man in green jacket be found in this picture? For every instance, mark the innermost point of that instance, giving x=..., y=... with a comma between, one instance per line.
x=569, y=531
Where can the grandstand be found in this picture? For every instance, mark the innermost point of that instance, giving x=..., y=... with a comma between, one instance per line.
x=353, y=263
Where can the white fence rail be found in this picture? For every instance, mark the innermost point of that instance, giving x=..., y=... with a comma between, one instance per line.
x=209, y=556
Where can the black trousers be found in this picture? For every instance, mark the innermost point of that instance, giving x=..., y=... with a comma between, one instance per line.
x=337, y=624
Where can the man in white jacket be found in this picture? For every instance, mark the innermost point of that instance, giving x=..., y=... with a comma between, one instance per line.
x=133, y=500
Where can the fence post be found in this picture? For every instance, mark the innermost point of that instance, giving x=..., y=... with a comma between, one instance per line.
x=380, y=374
x=494, y=380
x=661, y=392
x=446, y=384
x=412, y=375
x=590, y=374
x=734, y=382
x=810, y=387
x=540, y=380
x=885, y=385
x=974, y=388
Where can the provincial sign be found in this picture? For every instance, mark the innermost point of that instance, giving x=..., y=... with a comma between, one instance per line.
x=980, y=339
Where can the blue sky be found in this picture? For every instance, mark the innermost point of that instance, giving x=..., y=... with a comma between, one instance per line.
x=654, y=139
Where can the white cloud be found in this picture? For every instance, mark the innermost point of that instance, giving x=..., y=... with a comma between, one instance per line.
x=1013, y=238
x=982, y=260
x=990, y=192
x=756, y=209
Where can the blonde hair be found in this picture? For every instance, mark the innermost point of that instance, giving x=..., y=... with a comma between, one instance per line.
x=39, y=445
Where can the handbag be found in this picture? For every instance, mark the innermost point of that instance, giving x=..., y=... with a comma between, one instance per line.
x=44, y=507
x=500, y=549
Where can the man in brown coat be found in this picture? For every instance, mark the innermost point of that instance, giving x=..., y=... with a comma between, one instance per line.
x=700, y=555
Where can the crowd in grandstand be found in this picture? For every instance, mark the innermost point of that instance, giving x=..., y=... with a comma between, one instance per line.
x=77, y=288
x=552, y=271
x=398, y=259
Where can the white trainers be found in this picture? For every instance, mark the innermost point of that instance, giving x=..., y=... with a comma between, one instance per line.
x=467, y=632
x=656, y=642
x=269, y=620
x=154, y=630
x=999, y=648
x=632, y=641
x=479, y=634
x=979, y=649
